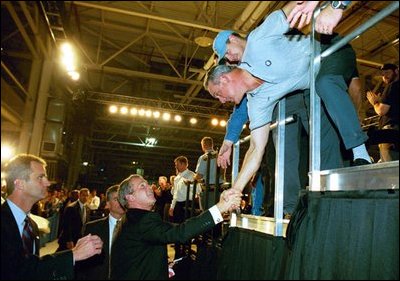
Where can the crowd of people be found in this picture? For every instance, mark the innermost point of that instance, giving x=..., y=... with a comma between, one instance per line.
x=123, y=234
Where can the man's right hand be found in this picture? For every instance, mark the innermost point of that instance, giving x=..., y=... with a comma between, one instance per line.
x=224, y=155
x=87, y=247
x=229, y=200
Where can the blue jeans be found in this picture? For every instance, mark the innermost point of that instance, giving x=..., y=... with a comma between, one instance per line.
x=257, y=195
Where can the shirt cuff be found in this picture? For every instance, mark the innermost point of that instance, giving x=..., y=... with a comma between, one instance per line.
x=216, y=214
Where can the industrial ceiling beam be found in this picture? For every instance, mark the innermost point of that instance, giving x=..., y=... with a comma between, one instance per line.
x=140, y=74
x=142, y=15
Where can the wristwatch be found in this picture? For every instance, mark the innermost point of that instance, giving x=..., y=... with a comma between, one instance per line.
x=340, y=4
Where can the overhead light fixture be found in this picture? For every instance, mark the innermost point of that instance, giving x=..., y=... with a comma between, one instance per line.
x=214, y=121
x=113, y=109
x=203, y=41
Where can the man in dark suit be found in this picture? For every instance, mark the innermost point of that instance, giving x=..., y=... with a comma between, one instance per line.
x=97, y=267
x=75, y=216
x=27, y=183
x=140, y=250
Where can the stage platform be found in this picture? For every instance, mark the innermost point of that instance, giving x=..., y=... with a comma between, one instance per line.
x=379, y=176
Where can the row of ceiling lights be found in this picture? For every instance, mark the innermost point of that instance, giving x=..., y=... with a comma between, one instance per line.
x=166, y=116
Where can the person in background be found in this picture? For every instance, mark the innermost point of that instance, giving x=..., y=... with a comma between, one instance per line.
x=75, y=216
x=140, y=250
x=27, y=183
x=93, y=200
x=387, y=107
x=165, y=196
x=177, y=209
x=207, y=146
x=97, y=267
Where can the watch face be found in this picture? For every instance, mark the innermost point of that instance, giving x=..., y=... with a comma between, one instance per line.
x=336, y=4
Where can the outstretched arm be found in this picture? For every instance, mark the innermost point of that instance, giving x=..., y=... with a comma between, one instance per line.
x=234, y=127
x=253, y=158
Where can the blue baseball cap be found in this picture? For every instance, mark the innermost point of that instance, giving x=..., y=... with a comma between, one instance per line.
x=219, y=45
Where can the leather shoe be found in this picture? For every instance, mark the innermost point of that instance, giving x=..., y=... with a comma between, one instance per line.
x=359, y=162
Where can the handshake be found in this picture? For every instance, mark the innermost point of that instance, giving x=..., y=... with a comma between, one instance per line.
x=229, y=200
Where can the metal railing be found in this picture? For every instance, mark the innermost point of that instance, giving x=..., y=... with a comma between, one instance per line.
x=315, y=128
x=314, y=121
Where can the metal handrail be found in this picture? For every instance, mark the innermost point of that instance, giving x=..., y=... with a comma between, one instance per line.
x=314, y=149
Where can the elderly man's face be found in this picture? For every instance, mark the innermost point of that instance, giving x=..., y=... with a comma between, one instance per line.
x=225, y=90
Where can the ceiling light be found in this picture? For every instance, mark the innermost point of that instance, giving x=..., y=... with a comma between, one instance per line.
x=203, y=41
x=166, y=116
x=156, y=114
x=178, y=118
x=193, y=120
x=74, y=75
x=7, y=152
x=214, y=121
x=123, y=110
x=222, y=123
x=134, y=111
x=113, y=109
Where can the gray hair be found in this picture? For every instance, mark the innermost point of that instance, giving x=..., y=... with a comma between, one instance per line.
x=19, y=167
x=125, y=188
x=112, y=189
x=214, y=74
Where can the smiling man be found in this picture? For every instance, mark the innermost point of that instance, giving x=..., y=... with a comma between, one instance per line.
x=140, y=250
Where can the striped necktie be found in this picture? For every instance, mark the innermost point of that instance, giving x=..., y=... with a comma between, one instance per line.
x=117, y=227
x=116, y=230
x=27, y=237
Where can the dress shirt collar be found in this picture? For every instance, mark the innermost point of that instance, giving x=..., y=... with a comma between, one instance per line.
x=81, y=205
x=112, y=220
x=18, y=213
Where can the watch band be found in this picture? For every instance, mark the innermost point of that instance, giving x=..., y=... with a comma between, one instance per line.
x=340, y=4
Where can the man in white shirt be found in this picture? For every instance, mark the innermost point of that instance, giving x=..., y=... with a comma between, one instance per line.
x=177, y=209
x=94, y=200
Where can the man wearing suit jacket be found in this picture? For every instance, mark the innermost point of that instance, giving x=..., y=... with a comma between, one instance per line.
x=75, y=216
x=27, y=183
x=97, y=267
x=140, y=250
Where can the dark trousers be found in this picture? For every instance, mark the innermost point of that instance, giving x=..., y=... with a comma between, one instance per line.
x=179, y=217
x=296, y=147
x=331, y=84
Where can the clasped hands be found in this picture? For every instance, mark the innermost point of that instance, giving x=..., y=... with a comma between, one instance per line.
x=87, y=246
x=229, y=200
